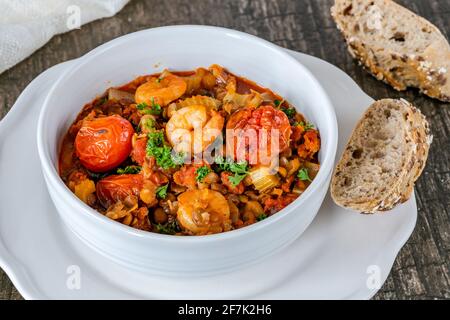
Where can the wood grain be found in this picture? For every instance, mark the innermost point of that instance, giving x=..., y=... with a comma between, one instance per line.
x=421, y=270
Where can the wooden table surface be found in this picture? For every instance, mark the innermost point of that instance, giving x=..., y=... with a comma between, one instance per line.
x=421, y=270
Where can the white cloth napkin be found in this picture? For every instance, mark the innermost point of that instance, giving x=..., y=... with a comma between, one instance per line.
x=26, y=25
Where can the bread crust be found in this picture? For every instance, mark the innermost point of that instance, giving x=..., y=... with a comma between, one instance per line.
x=427, y=69
x=420, y=134
x=416, y=134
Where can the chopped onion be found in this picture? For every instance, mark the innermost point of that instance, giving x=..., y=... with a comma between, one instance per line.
x=116, y=94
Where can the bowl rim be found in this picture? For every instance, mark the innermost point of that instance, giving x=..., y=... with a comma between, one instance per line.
x=52, y=176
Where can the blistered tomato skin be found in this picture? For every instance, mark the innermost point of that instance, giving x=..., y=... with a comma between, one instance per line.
x=104, y=143
x=117, y=187
x=265, y=118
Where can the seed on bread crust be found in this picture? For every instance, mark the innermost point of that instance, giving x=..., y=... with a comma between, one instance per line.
x=396, y=45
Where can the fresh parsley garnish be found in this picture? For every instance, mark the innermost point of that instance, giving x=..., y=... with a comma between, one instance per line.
x=261, y=217
x=168, y=228
x=141, y=106
x=201, y=173
x=178, y=158
x=222, y=164
x=230, y=165
x=154, y=109
x=303, y=175
x=161, y=152
x=238, y=168
x=290, y=112
x=163, y=156
x=306, y=126
x=155, y=139
x=147, y=124
x=95, y=175
x=129, y=170
x=161, y=192
x=237, y=178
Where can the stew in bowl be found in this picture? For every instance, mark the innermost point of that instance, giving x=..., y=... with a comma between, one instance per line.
x=189, y=152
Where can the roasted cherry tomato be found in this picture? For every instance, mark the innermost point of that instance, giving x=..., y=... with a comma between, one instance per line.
x=117, y=187
x=259, y=123
x=104, y=143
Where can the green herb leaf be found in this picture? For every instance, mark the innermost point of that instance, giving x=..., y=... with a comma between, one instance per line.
x=168, y=228
x=163, y=156
x=221, y=163
x=141, y=106
x=306, y=126
x=154, y=109
x=161, y=192
x=161, y=152
x=238, y=168
x=230, y=165
x=277, y=103
x=147, y=124
x=178, y=158
x=201, y=173
x=303, y=175
x=129, y=170
x=95, y=175
x=155, y=139
x=261, y=217
x=290, y=112
x=237, y=178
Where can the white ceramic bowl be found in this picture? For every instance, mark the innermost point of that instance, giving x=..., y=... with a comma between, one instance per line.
x=184, y=48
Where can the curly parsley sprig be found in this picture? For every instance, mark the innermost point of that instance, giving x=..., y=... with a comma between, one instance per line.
x=303, y=175
x=154, y=109
x=161, y=192
x=162, y=153
x=129, y=170
x=201, y=173
x=168, y=228
x=240, y=169
x=306, y=125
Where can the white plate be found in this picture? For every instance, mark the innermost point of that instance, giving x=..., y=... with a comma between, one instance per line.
x=336, y=258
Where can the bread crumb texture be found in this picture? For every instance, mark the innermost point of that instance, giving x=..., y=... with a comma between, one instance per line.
x=385, y=155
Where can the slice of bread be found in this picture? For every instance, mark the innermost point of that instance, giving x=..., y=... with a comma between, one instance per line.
x=396, y=45
x=385, y=155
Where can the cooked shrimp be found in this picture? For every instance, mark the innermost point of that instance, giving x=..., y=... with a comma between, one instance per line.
x=192, y=129
x=203, y=212
x=161, y=91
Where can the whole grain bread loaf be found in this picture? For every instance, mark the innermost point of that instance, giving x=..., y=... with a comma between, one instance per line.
x=385, y=155
x=396, y=45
